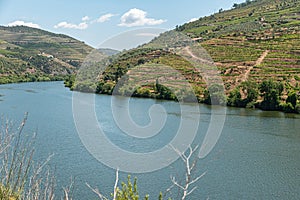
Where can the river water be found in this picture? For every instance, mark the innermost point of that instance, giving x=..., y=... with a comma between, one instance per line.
x=256, y=157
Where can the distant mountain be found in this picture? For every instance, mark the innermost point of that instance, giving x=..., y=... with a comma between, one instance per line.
x=30, y=54
x=108, y=52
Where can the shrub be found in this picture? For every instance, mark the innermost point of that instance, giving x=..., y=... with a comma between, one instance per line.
x=292, y=98
x=234, y=98
x=270, y=91
x=287, y=107
x=297, y=108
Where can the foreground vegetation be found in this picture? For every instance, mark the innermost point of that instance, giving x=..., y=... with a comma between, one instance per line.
x=21, y=178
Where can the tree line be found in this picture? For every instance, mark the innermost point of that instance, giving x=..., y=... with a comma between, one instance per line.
x=267, y=95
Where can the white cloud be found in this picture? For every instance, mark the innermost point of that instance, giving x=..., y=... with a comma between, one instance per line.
x=137, y=17
x=85, y=18
x=22, y=23
x=105, y=18
x=193, y=19
x=81, y=26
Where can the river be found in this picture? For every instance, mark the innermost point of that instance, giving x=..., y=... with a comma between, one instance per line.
x=256, y=157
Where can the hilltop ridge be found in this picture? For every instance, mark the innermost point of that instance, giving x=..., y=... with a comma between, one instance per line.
x=31, y=54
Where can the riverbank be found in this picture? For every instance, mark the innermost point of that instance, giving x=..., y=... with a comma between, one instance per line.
x=267, y=96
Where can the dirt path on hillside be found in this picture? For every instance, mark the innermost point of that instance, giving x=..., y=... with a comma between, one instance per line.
x=188, y=50
x=242, y=77
x=258, y=62
x=248, y=71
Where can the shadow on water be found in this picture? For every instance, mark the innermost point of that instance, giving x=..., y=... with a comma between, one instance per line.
x=10, y=88
x=244, y=112
x=31, y=91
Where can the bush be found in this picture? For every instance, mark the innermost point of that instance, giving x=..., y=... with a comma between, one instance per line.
x=215, y=95
x=104, y=87
x=85, y=87
x=251, y=105
x=287, y=107
x=271, y=92
x=234, y=98
x=128, y=191
x=292, y=98
x=297, y=108
x=142, y=92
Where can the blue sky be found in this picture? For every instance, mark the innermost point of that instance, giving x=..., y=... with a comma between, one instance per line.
x=94, y=21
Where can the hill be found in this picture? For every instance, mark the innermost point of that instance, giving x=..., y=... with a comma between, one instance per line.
x=108, y=52
x=255, y=46
x=30, y=54
x=254, y=41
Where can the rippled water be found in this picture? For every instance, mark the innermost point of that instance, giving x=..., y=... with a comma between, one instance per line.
x=256, y=157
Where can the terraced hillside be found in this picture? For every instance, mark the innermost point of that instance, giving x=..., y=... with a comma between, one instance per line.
x=30, y=54
x=255, y=46
x=237, y=38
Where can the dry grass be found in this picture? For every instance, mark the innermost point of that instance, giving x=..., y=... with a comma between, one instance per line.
x=21, y=178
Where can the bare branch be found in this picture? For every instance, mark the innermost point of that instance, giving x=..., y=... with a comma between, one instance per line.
x=67, y=191
x=116, y=185
x=169, y=190
x=186, y=158
x=191, y=191
x=101, y=196
x=175, y=183
x=182, y=156
x=196, y=179
x=96, y=191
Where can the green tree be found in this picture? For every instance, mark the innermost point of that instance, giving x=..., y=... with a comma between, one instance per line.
x=292, y=98
x=234, y=98
x=251, y=89
x=271, y=92
x=235, y=5
x=290, y=105
x=164, y=92
x=215, y=95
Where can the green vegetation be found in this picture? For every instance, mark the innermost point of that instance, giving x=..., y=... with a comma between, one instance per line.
x=255, y=46
x=30, y=54
x=250, y=93
x=20, y=177
x=269, y=92
x=215, y=95
x=255, y=41
x=129, y=191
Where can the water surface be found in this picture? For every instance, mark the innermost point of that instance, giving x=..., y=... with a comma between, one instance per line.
x=256, y=157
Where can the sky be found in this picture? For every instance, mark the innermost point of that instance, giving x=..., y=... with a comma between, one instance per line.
x=95, y=21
